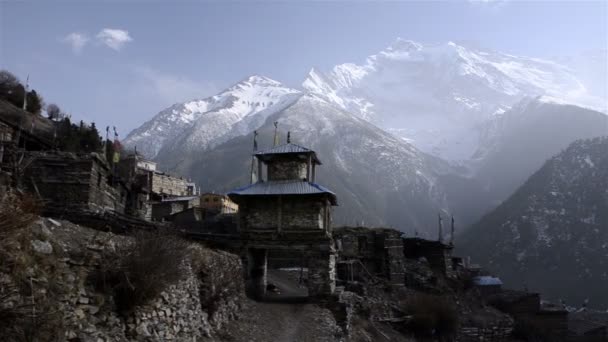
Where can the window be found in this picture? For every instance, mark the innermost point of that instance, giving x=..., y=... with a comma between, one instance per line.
x=216, y=199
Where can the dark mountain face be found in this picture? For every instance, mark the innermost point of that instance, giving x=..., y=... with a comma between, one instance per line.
x=551, y=235
x=379, y=179
x=515, y=145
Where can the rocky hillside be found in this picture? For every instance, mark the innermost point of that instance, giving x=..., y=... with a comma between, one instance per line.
x=551, y=235
x=514, y=146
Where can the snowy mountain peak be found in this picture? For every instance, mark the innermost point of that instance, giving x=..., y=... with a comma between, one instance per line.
x=198, y=124
x=438, y=95
x=259, y=80
x=401, y=44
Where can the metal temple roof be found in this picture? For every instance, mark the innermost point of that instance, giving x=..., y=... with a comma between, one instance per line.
x=288, y=148
x=487, y=280
x=286, y=187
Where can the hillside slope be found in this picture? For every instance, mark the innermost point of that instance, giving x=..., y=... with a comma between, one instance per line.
x=556, y=224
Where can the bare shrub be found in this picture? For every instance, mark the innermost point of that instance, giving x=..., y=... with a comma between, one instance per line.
x=220, y=278
x=16, y=213
x=138, y=272
x=431, y=315
x=26, y=311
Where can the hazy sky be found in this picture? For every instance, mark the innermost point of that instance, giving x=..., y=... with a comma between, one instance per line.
x=120, y=62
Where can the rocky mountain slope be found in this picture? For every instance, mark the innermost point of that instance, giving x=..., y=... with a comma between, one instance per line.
x=514, y=146
x=551, y=235
x=439, y=96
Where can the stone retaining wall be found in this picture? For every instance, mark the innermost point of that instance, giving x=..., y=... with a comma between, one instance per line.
x=64, y=256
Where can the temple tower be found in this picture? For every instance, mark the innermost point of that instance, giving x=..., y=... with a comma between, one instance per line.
x=286, y=210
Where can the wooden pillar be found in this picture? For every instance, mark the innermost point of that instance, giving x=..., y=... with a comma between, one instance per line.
x=257, y=272
x=260, y=178
x=313, y=173
x=279, y=213
x=308, y=171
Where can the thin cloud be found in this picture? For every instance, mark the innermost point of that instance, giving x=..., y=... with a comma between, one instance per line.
x=77, y=41
x=491, y=4
x=114, y=38
x=170, y=88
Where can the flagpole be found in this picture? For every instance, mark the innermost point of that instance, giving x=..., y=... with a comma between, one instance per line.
x=276, y=134
x=27, y=85
x=255, y=148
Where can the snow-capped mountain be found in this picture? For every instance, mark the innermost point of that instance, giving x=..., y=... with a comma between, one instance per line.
x=552, y=233
x=451, y=102
x=438, y=96
x=404, y=192
x=199, y=124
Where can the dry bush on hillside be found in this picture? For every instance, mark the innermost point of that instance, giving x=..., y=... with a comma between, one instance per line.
x=26, y=314
x=221, y=278
x=138, y=272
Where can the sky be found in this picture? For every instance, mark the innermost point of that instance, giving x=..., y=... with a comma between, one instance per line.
x=121, y=62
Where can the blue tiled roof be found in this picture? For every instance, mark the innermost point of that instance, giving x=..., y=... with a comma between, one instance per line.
x=487, y=280
x=286, y=187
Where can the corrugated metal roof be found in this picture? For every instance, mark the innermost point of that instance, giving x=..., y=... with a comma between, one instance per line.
x=287, y=149
x=287, y=187
x=487, y=280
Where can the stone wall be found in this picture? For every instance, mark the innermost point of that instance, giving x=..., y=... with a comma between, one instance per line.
x=295, y=214
x=169, y=185
x=69, y=181
x=65, y=254
x=285, y=169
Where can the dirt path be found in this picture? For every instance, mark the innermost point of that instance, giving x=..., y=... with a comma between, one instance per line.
x=284, y=319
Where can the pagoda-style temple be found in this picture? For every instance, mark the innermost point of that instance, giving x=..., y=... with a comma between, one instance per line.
x=286, y=210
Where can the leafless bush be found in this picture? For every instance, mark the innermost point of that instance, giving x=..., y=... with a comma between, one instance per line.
x=16, y=213
x=25, y=314
x=138, y=272
x=431, y=315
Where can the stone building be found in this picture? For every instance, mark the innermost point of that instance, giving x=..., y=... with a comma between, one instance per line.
x=172, y=205
x=71, y=182
x=364, y=252
x=218, y=203
x=22, y=130
x=157, y=184
x=438, y=254
x=287, y=211
x=488, y=285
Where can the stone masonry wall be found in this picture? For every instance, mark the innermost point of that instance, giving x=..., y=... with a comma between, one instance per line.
x=286, y=170
x=296, y=214
x=65, y=254
x=166, y=184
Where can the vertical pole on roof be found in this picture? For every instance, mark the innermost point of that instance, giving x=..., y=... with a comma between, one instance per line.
x=308, y=170
x=254, y=177
x=276, y=134
x=440, y=237
x=452, y=233
x=27, y=85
